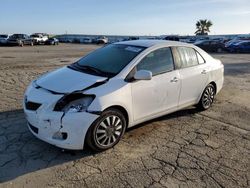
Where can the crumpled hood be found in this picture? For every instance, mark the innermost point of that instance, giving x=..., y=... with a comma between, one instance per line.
x=66, y=80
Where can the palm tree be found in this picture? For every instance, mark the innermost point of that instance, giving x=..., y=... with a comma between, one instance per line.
x=203, y=27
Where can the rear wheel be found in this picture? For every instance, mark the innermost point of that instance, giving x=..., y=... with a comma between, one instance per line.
x=106, y=131
x=219, y=50
x=207, y=97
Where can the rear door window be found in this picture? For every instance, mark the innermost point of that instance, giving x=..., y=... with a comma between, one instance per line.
x=184, y=57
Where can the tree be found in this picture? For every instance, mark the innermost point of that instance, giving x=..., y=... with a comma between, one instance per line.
x=203, y=27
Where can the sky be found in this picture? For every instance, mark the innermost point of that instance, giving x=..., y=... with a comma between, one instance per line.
x=123, y=17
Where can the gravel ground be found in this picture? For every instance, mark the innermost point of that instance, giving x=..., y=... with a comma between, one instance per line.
x=185, y=149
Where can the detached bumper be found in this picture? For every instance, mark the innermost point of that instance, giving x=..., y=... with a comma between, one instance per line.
x=64, y=130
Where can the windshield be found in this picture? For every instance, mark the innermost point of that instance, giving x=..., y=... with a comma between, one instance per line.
x=34, y=36
x=16, y=36
x=110, y=59
x=3, y=36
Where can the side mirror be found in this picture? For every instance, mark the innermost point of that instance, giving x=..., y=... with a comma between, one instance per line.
x=143, y=75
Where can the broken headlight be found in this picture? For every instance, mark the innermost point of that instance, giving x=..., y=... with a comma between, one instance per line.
x=78, y=105
x=75, y=102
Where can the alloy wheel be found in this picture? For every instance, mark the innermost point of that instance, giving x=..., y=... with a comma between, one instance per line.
x=208, y=97
x=109, y=131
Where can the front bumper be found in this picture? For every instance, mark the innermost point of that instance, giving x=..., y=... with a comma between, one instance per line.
x=64, y=130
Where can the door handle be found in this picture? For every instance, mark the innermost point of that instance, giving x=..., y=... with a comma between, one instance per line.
x=175, y=79
x=204, y=72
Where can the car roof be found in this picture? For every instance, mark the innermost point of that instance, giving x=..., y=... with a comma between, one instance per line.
x=19, y=34
x=150, y=43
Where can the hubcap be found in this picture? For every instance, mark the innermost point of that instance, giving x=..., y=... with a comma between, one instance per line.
x=108, y=131
x=208, y=97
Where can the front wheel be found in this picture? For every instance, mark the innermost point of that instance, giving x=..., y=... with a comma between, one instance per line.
x=207, y=97
x=106, y=131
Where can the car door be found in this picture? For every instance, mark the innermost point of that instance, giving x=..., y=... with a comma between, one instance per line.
x=246, y=47
x=27, y=39
x=193, y=74
x=161, y=93
x=214, y=45
x=206, y=46
x=24, y=39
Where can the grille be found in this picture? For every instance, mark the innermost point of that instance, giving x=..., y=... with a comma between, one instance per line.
x=32, y=105
x=34, y=129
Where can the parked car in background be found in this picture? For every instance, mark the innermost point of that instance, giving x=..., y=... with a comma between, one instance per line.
x=39, y=38
x=172, y=37
x=130, y=38
x=199, y=38
x=191, y=40
x=52, y=41
x=219, y=39
x=102, y=40
x=3, y=39
x=210, y=45
x=94, y=100
x=86, y=40
x=19, y=40
x=237, y=40
x=240, y=47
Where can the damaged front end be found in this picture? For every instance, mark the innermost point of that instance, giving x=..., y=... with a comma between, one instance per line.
x=57, y=118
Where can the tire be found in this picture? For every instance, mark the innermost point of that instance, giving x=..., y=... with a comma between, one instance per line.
x=219, y=50
x=207, y=97
x=21, y=44
x=31, y=44
x=106, y=131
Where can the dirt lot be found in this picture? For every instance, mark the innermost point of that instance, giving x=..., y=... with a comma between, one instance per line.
x=184, y=149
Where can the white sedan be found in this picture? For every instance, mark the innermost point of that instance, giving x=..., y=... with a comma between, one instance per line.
x=94, y=100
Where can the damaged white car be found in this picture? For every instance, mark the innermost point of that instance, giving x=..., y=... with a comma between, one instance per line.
x=94, y=100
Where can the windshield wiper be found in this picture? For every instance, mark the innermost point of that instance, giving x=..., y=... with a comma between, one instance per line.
x=93, y=69
x=87, y=68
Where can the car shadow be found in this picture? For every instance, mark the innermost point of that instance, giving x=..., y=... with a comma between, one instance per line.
x=185, y=112
x=22, y=153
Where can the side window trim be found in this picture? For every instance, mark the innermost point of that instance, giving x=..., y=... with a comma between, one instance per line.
x=172, y=55
x=200, y=56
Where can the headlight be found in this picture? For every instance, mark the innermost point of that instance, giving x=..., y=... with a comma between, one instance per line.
x=79, y=105
x=74, y=102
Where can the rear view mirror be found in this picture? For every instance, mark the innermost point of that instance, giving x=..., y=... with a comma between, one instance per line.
x=143, y=75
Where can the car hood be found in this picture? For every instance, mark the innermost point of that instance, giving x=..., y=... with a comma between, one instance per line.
x=66, y=80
